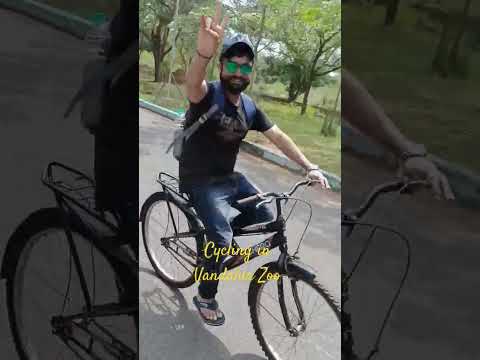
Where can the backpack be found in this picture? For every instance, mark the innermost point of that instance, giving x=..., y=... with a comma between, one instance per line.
x=181, y=135
x=98, y=77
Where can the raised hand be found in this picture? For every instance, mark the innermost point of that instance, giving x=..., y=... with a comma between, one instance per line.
x=211, y=32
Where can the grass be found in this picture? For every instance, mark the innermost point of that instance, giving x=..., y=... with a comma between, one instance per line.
x=441, y=113
x=84, y=8
x=304, y=130
x=323, y=96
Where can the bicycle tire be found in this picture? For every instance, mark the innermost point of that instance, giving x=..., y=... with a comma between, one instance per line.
x=253, y=297
x=147, y=208
x=37, y=223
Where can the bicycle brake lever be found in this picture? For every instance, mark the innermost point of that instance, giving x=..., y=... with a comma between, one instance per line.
x=267, y=201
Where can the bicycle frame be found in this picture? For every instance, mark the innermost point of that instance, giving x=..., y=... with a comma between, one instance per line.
x=352, y=219
x=109, y=246
x=286, y=263
x=278, y=239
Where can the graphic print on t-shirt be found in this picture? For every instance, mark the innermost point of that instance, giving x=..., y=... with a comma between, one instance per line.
x=232, y=128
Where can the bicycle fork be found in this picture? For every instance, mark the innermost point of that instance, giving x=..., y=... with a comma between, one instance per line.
x=293, y=329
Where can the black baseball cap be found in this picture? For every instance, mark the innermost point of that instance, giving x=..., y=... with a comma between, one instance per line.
x=237, y=40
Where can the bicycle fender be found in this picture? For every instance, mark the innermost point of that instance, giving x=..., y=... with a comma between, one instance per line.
x=300, y=269
x=12, y=246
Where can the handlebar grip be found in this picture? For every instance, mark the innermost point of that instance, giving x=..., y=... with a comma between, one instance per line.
x=248, y=200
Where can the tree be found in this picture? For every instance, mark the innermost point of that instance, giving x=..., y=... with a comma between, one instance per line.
x=454, y=55
x=254, y=18
x=448, y=52
x=310, y=38
x=154, y=21
x=391, y=12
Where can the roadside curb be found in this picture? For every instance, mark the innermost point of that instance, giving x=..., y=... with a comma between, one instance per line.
x=171, y=115
x=280, y=160
x=62, y=20
x=465, y=184
x=251, y=148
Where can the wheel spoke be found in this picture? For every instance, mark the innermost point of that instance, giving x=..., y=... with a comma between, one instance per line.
x=40, y=258
x=312, y=337
x=175, y=259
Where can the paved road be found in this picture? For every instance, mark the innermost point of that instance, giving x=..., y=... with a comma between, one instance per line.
x=40, y=68
x=437, y=314
x=169, y=325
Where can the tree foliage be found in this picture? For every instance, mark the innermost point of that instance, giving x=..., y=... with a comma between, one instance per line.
x=295, y=41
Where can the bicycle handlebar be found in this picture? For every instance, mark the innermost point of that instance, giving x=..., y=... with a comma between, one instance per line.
x=391, y=186
x=265, y=196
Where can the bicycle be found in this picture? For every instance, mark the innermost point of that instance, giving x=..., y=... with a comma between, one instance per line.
x=93, y=324
x=176, y=253
x=351, y=219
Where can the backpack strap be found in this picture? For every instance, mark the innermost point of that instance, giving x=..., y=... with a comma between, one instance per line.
x=203, y=119
x=218, y=95
x=249, y=108
x=187, y=133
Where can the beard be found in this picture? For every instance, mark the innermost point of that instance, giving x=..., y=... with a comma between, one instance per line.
x=234, y=85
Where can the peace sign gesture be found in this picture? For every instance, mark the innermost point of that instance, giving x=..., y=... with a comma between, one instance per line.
x=211, y=32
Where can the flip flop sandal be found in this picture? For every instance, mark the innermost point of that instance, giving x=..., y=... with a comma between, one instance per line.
x=210, y=306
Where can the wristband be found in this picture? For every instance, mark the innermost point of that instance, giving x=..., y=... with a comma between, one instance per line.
x=203, y=56
x=315, y=167
x=421, y=152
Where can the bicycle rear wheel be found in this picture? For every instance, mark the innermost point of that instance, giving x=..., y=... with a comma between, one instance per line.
x=314, y=316
x=46, y=306
x=170, y=241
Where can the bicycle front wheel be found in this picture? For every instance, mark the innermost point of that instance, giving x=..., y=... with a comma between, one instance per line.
x=313, y=317
x=47, y=306
x=170, y=241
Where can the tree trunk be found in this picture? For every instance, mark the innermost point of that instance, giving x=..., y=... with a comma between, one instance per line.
x=257, y=44
x=293, y=92
x=157, y=61
x=440, y=61
x=391, y=12
x=159, y=48
x=305, y=97
x=454, y=56
x=330, y=129
x=311, y=75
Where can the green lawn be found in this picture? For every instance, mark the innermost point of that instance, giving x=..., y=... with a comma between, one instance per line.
x=304, y=130
x=441, y=113
x=85, y=8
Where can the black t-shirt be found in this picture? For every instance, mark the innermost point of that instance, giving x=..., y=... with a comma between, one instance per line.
x=212, y=150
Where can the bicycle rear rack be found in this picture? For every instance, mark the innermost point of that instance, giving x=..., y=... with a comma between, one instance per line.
x=76, y=187
x=171, y=184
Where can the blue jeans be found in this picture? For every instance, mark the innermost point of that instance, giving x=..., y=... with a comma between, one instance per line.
x=215, y=204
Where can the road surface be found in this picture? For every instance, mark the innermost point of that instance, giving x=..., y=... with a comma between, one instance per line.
x=170, y=327
x=40, y=69
x=436, y=316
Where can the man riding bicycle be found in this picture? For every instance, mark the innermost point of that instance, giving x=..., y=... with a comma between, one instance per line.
x=206, y=166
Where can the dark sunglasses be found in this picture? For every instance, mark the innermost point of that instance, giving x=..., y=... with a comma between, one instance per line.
x=232, y=67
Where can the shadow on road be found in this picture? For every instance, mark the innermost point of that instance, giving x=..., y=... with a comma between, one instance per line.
x=168, y=327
